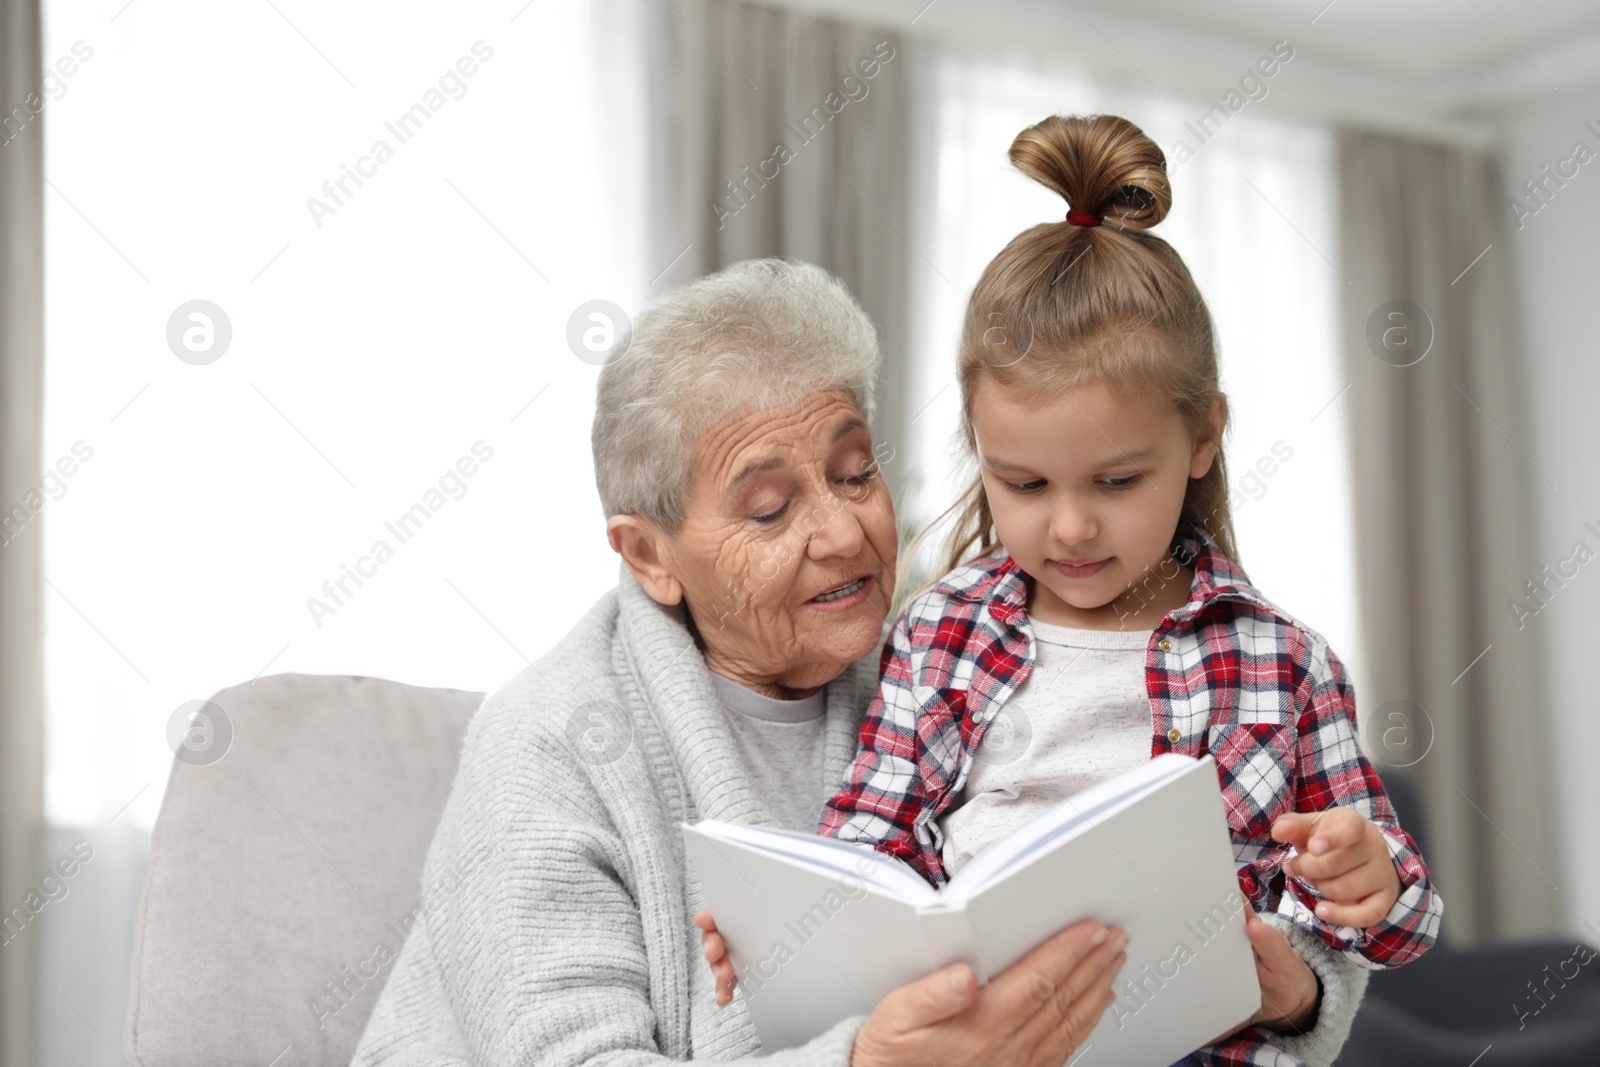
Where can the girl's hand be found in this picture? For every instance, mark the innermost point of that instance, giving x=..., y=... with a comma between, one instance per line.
x=1290, y=995
x=716, y=955
x=1344, y=857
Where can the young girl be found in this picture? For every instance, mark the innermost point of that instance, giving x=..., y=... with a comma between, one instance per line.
x=1093, y=611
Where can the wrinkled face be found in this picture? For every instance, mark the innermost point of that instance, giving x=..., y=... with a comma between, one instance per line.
x=1086, y=491
x=787, y=553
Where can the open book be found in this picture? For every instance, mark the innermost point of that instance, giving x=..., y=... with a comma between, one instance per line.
x=819, y=929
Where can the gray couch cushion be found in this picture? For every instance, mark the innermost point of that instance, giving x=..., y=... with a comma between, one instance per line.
x=284, y=875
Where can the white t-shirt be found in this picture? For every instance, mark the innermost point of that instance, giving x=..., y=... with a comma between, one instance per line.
x=1081, y=716
x=780, y=744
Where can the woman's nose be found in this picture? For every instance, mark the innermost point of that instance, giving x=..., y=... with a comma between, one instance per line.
x=838, y=530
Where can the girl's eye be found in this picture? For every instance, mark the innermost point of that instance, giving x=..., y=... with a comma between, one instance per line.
x=1025, y=487
x=1122, y=483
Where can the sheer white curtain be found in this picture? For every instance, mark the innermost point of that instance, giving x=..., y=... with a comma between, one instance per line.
x=399, y=339
x=1253, y=217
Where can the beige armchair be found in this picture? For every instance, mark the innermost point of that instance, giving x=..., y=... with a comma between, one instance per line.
x=284, y=874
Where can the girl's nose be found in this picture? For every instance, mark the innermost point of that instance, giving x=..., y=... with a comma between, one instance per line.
x=1072, y=524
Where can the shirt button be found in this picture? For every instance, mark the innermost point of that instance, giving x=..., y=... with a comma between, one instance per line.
x=1164, y=645
x=1173, y=735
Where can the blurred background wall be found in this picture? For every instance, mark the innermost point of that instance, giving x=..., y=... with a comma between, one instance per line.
x=1395, y=228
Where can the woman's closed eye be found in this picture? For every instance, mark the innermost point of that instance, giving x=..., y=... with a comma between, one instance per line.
x=863, y=477
x=772, y=516
x=858, y=482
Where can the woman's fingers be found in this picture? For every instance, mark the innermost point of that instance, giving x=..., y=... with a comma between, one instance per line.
x=1034, y=1014
x=948, y=991
x=1059, y=1027
x=898, y=1030
x=1083, y=1012
x=1062, y=987
x=1052, y=964
x=723, y=969
x=712, y=946
x=928, y=1001
x=716, y=953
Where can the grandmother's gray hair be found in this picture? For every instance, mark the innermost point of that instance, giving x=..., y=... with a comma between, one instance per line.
x=760, y=334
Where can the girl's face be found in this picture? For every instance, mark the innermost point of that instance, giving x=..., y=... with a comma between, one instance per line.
x=1086, y=490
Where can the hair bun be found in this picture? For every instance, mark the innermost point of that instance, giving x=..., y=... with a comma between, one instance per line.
x=1099, y=163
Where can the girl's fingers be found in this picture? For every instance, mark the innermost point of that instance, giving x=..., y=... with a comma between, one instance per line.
x=1351, y=888
x=1337, y=828
x=1272, y=949
x=1293, y=828
x=1366, y=912
x=1328, y=865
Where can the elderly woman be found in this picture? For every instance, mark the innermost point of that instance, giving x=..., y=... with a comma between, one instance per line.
x=724, y=677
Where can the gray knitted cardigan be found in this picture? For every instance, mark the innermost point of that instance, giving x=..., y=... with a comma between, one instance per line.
x=555, y=924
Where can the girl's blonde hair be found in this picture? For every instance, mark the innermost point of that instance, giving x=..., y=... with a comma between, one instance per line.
x=1065, y=304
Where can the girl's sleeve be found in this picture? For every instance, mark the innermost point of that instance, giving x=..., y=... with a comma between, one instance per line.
x=883, y=793
x=1332, y=770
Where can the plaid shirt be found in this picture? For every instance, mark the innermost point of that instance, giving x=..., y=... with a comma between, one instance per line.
x=1227, y=673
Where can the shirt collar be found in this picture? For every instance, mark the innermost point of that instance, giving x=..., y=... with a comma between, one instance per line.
x=997, y=579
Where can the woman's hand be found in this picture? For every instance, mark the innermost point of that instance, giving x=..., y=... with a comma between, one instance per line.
x=1290, y=995
x=1033, y=1014
x=717, y=955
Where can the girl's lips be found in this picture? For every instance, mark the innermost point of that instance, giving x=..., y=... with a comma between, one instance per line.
x=1067, y=570
x=848, y=601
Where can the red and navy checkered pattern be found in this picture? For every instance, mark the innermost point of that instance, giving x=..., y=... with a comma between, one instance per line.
x=1227, y=673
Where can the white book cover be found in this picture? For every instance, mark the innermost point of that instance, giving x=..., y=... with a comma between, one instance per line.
x=819, y=929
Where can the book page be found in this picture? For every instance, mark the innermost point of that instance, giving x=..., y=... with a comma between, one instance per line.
x=1060, y=822
x=886, y=874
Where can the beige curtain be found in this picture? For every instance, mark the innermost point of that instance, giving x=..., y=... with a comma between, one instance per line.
x=21, y=461
x=787, y=135
x=1443, y=511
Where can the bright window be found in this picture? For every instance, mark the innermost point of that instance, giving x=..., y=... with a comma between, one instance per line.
x=397, y=212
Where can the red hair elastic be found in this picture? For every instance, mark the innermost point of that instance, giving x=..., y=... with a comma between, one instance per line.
x=1083, y=218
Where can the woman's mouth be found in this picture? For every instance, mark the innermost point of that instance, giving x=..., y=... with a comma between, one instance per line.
x=1079, y=571
x=845, y=595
